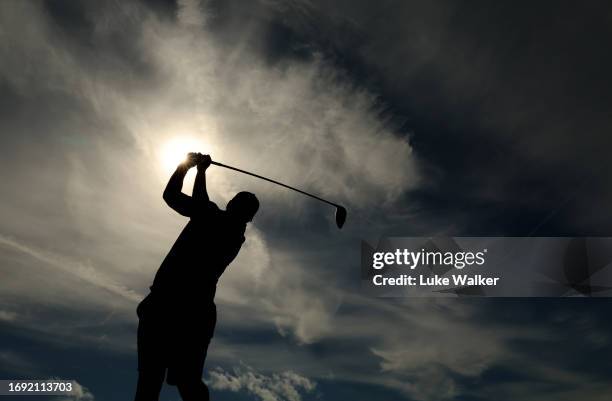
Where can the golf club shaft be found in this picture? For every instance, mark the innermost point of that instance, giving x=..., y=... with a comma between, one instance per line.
x=273, y=181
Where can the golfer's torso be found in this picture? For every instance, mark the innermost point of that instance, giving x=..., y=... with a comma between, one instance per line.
x=199, y=256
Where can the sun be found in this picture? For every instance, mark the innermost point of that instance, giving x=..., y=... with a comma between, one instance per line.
x=175, y=150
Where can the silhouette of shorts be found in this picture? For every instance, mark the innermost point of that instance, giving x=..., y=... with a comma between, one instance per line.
x=172, y=341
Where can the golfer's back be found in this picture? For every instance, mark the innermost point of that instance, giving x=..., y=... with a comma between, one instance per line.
x=205, y=247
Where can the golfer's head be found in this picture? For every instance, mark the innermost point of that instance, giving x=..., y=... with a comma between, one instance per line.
x=243, y=206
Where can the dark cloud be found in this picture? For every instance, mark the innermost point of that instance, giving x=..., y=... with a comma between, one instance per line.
x=506, y=107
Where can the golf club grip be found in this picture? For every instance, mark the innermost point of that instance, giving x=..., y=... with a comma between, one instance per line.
x=272, y=181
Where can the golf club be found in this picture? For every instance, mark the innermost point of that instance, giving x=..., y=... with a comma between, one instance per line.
x=340, y=210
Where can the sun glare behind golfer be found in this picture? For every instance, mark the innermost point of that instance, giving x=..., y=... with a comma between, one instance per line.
x=175, y=150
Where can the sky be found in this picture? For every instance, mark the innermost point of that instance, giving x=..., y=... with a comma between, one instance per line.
x=422, y=118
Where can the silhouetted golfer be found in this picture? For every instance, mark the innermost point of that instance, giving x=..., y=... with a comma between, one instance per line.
x=177, y=319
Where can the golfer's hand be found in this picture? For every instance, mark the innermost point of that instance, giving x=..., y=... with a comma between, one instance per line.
x=192, y=160
x=203, y=162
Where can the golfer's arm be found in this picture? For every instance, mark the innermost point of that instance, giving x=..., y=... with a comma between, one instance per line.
x=199, y=186
x=173, y=196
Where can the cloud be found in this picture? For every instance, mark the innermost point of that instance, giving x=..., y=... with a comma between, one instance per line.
x=430, y=345
x=16, y=363
x=7, y=316
x=277, y=289
x=62, y=265
x=79, y=393
x=284, y=386
x=190, y=13
x=549, y=384
x=432, y=350
x=501, y=113
x=114, y=109
x=81, y=302
x=91, y=100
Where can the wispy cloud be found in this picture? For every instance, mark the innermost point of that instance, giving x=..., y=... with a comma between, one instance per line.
x=17, y=364
x=63, y=265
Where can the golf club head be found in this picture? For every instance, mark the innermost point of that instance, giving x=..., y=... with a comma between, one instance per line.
x=340, y=216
